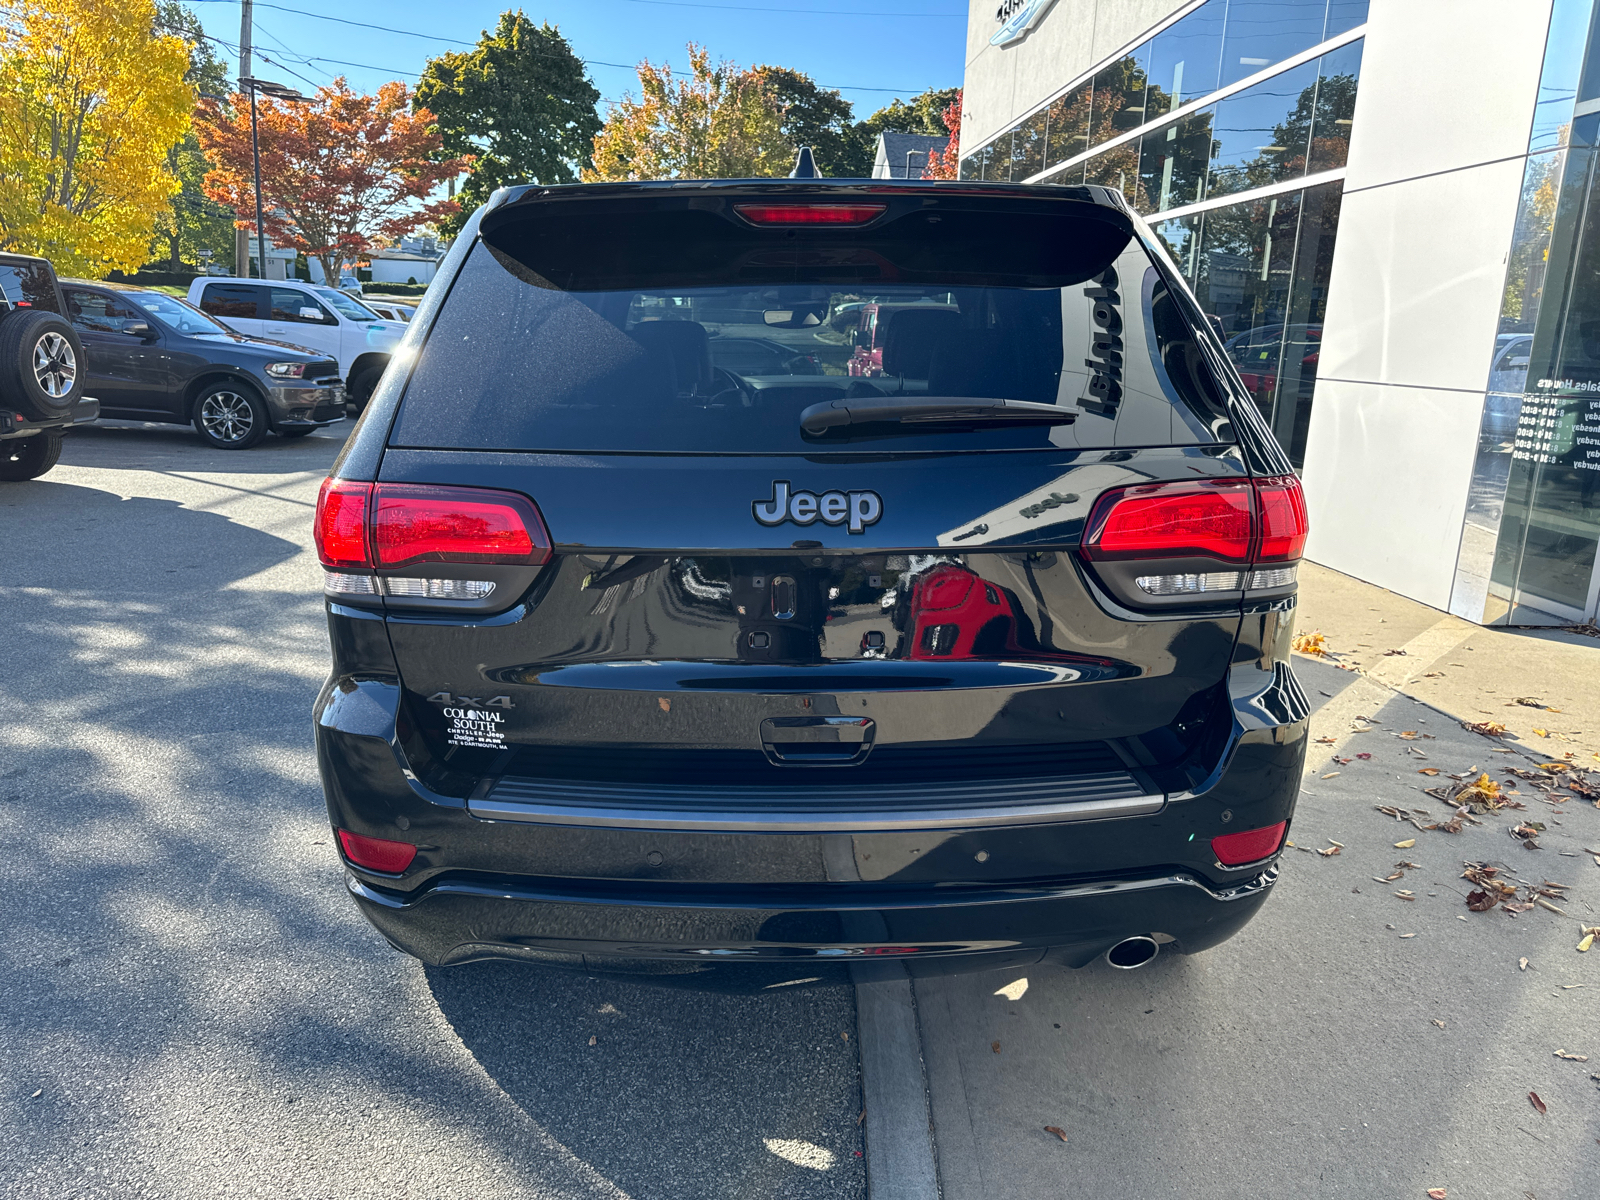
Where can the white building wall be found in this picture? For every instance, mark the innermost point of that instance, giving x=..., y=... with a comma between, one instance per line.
x=1436, y=160
x=1002, y=82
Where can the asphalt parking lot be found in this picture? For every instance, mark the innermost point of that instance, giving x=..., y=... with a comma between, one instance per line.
x=193, y=1008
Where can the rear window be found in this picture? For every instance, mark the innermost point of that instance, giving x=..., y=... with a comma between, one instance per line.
x=540, y=348
x=28, y=285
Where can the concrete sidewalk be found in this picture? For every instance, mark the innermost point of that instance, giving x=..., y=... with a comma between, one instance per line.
x=1469, y=672
x=1365, y=1036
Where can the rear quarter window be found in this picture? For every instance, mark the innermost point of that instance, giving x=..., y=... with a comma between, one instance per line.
x=28, y=285
x=727, y=366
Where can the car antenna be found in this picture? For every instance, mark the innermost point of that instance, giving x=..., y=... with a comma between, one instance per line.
x=805, y=167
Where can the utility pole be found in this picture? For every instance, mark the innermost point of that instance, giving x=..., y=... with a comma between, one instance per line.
x=241, y=238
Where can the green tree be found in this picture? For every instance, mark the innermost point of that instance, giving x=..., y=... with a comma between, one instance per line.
x=192, y=222
x=924, y=114
x=520, y=104
x=817, y=117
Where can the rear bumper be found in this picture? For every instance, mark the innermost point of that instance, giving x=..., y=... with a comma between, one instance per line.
x=928, y=931
x=15, y=425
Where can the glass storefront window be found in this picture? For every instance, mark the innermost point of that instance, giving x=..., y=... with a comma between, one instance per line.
x=1067, y=134
x=1119, y=97
x=1186, y=57
x=1119, y=169
x=1263, y=32
x=1261, y=133
x=1558, y=78
x=1181, y=236
x=1334, y=114
x=1308, y=305
x=1027, y=148
x=1343, y=16
x=1173, y=161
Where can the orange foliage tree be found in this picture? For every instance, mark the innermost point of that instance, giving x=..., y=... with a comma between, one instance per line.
x=946, y=163
x=337, y=172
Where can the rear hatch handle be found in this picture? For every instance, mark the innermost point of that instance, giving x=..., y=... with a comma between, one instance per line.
x=955, y=411
x=817, y=741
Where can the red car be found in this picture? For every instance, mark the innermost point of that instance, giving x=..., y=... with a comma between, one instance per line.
x=872, y=330
x=955, y=614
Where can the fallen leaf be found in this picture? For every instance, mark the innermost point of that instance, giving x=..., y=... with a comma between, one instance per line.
x=1522, y=964
x=1438, y=1022
x=1330, y=774
x=1542, y=732
x=1330, y=851
x=1364, y=757
x=666, y=705
x=1572, y=1057
x=1543, y=903
x=594, y=1041
x=1583, y=946
x=1408, y=734
x=1405, y=845
x=1481, y=901
x=995, y=1046
x=1391, y=653
x=1538, y=1103
x=1403, y=936
x=1060, y=1133
x=1406, y=895
x=1527, y=701
x=1486, y=728
x=1327, y=741
x=1437, y=1194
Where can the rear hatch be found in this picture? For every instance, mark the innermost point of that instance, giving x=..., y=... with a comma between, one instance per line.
x=763, y=584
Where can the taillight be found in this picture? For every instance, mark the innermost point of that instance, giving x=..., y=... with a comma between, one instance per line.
x=341, y=524
x=1283, y=519
x=377, y=854
x=364, y=527
x=1258, y=527
x=412, y=523
x=1173, y=520
x=1249, y=845
x=810, y=214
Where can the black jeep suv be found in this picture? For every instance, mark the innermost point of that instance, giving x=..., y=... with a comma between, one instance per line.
x=970, y=657
x=41, y=370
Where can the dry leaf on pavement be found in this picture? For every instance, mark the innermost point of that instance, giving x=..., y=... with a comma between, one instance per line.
x=1588, y=940
x=1438, y=1022
x=1487, y=728
x=1428, y=771
x=1522, y=964
x=1437, y=1194
x=1405, y=845
x=995, y=1046
x=1572, y=1057
x=1059, y=1132
x=1533, y=1097
x=1307, y=643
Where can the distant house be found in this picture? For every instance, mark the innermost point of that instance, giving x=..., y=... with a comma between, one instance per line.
x=893, y=149
x=411, y=258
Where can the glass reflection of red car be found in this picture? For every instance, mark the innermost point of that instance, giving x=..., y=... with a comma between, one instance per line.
x=955, y=614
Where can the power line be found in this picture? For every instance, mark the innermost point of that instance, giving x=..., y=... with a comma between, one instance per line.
x=810, y=12
x=593, y=62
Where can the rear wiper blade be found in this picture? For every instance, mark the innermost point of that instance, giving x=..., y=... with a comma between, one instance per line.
x=932, y=411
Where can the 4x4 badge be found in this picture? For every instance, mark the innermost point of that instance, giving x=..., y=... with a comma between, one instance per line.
x=471, y=701
x=860, y=509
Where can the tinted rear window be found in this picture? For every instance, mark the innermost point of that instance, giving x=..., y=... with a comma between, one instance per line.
x=28, y=285
x=238, y=300
x=530, y=352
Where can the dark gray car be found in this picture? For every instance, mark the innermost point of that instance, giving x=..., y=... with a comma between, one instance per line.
x=152, y=357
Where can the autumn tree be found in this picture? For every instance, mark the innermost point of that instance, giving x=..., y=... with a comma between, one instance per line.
x=924, y=113
x=945, y=164
x=92, y=98
x=811, y=115
x=520, y=103
x=192, y=221
x=337, y=172
x=718, y=122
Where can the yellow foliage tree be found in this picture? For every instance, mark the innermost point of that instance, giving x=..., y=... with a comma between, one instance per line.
x=721, y=122
x=91, y=100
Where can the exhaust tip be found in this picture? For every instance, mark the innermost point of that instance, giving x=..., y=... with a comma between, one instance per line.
x=1131, y=953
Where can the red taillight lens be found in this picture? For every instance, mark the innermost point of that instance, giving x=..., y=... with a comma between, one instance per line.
x=1173, y=520
x=377, y=854
x=341, y=523
x=1248, y=846
x=1283, y=519
x=810, y=214
x=415, y=523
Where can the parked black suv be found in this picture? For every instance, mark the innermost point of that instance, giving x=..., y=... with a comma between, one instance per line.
x=153, y=357
x=41, y=377
x=644, y=664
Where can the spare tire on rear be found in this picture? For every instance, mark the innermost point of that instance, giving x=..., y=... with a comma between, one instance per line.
x=41, y=364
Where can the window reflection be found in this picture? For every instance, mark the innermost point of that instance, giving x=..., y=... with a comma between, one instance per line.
x=1343, y=16
x=1119, y=97
x=1335, y=109
x=1263, y=32
x=1261, y=133
x=1174, y=159
x=1186, y=57
x=1027, y=147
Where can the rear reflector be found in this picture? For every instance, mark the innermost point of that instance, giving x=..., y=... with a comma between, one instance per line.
x=377, y=854
x=1251, y=845
x=440, y=589
x=1187, y=585
x=1173, y=520
x=810, y=214
x=341, y=523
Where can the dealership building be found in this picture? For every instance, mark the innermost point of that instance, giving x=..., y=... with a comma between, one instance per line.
x=1386, y=204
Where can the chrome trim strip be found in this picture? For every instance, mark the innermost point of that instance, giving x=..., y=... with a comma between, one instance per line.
x=815, y=821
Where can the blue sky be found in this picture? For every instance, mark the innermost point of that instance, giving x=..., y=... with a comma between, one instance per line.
x=900, y=45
